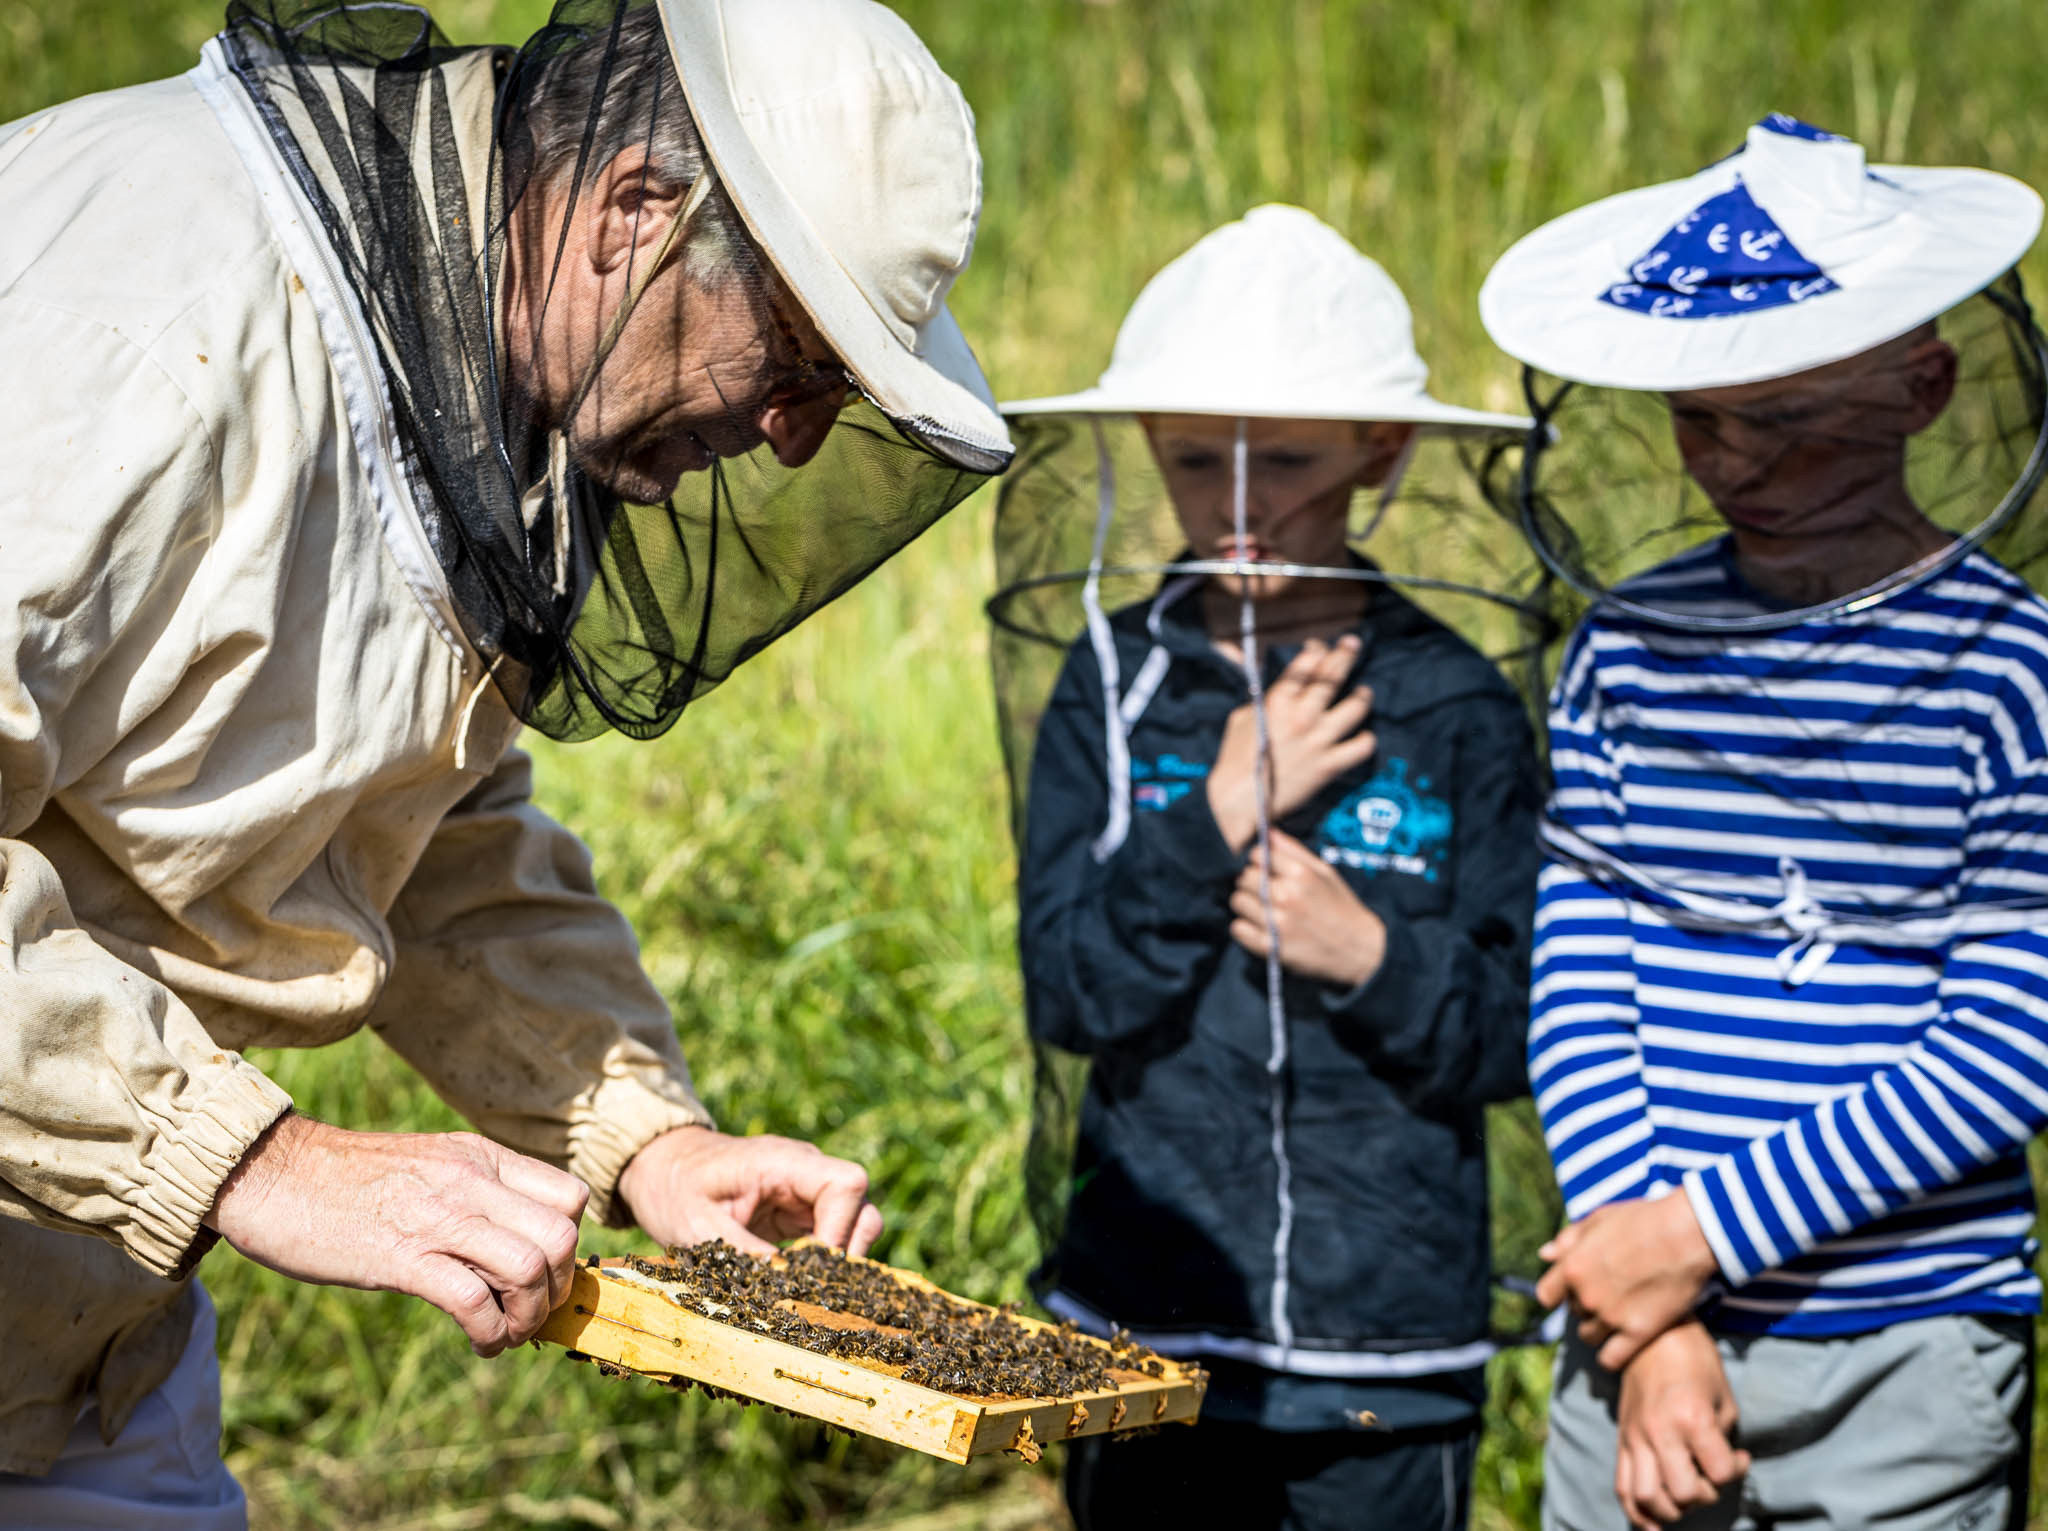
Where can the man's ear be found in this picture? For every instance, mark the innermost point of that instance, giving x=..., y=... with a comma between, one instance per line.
x=1930, y=368
x=631, y=205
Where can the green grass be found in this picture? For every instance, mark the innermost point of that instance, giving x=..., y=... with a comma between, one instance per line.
x=816, y=857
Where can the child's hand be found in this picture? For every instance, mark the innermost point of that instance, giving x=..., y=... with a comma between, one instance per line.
x=1314, y=734
x=1630, y=1270
x=1676, y=1417
x=1325, y=932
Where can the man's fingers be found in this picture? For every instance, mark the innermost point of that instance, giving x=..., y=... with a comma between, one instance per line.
x=837, y=1203
x=464, y=1296
x=513, y=1266
x=747, y=1242
x=550, y=1232
x=1552, y=1287
x=866, y=1229
x=553, y=1188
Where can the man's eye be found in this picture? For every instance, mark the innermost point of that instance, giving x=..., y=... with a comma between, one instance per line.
x=1286, y=462
x=1197, y=462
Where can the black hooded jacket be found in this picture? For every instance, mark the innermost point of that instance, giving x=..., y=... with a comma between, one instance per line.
x=1128, y=960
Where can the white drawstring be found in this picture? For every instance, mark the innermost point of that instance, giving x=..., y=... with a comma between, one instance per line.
x=1116, y=741
x=1806, y=917
x=1276, y=1008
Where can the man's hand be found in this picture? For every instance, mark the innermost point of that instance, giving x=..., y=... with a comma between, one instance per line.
x=1630, y=1270
x=1313, y=734
x=1676, y=1417
x=486, y=1235
x=1325, y=932
x=694, y=1184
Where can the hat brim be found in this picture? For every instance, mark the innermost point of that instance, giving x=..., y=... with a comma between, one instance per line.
x=937, y=392
x=1542, y=304
x=1411, y=409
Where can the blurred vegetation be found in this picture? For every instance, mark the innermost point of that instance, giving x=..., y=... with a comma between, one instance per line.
x=816, y=857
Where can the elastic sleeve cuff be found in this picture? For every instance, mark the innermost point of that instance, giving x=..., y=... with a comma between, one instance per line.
x=623, y=1117
x=183, y=1168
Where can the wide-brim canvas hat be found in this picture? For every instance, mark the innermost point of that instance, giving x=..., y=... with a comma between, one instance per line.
x=851, y=157
x=1275, y=316
x=1789, y=254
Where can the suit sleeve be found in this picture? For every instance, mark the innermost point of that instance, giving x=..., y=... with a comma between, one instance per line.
x=1112, y=949
x=119, y=1115
x=1446, y=1014
x=518, y=993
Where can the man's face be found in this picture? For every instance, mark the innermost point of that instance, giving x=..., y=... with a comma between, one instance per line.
x=1819, y=453
x=1299, y=477
x=706, y=365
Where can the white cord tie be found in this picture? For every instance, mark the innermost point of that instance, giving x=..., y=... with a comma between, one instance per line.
x=1806, y=917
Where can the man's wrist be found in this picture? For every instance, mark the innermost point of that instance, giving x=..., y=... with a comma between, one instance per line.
x=269, y=1160
x=641, y=1165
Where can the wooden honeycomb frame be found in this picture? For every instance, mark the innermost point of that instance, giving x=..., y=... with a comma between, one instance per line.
x=622, y=1317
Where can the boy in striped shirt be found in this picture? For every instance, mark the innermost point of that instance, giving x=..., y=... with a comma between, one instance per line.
x=1789, y=1031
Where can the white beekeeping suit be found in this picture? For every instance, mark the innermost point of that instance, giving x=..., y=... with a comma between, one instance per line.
x=262, y=663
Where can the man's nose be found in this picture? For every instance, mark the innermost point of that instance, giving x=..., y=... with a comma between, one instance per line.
x=796, y=431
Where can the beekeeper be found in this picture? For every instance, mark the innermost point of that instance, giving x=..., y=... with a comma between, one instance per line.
x=367, y=398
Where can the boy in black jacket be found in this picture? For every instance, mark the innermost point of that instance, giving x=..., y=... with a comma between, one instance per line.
x=1290, y=1186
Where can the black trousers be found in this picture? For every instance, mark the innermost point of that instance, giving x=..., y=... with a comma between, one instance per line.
x=1190, y=1478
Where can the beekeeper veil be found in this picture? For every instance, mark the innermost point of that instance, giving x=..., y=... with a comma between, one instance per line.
x=658, y=303
x=1795, y=411
x=1261, y=459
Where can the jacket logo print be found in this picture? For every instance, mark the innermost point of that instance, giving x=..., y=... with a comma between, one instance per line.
x=1159, y=784
x=1388, y=825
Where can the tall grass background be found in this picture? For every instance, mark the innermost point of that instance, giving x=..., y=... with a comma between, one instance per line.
x=816, y=857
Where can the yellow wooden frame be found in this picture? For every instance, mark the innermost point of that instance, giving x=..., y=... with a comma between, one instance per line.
x=623, y=1318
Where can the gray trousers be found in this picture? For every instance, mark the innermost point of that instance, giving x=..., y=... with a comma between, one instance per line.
x=1920, y=1426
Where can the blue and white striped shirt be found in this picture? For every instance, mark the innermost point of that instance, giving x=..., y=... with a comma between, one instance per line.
x=1854, y=1143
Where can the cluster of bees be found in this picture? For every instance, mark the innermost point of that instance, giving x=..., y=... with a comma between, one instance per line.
x=925, y=1336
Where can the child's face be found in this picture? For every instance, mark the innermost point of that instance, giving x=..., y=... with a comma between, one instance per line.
x=1815, y=454
x=1299, y=478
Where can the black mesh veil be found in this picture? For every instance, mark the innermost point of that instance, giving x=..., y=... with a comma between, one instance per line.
x=1800, y=706
x=578, y=339
x=1091, y=548
x=1428, y=537
x=1606, y=495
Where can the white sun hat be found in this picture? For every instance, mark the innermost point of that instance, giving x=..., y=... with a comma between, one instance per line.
x=1789, y=254
x=851, y=157
x=1275, y=316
